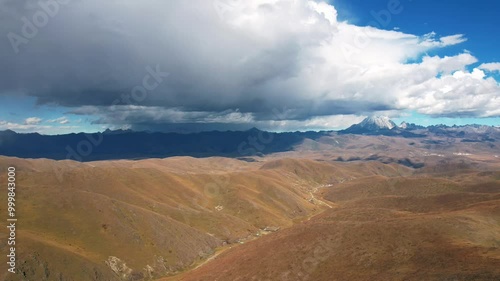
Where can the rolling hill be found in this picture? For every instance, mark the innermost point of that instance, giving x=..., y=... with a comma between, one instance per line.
x=150, y=218
x=380, y=229
x=303, y=214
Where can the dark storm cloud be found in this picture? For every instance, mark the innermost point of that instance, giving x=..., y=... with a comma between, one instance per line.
x=92, y=52
x=255, y=58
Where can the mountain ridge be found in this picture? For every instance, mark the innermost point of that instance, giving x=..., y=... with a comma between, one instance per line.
x=127, y=144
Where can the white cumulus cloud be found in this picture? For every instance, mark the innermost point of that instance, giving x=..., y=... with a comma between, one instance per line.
x=32, y=121
x=238, y=62
x=492, y=66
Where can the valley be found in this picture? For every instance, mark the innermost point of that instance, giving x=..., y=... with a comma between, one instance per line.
x=297, y=215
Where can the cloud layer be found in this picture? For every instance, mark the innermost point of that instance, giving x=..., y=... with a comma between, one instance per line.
x=287, y=63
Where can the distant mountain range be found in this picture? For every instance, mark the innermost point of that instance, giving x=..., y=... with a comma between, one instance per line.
x=382, y=125
x=126, y=144
x=134, y=145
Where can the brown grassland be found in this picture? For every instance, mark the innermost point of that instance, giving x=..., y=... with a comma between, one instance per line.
x=278, y=218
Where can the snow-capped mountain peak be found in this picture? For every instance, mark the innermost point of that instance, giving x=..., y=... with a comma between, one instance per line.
x=378, y=122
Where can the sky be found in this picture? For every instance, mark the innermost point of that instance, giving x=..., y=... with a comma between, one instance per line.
x=279, y=65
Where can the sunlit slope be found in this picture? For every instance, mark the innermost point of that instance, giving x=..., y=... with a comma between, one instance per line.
x=380, y=229
x=150, y=218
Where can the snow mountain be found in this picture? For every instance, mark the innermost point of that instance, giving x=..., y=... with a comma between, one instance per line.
x=377, y=123
x=371, y=125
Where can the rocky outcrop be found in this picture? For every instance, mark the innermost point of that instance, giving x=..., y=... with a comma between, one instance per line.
x=120, y=268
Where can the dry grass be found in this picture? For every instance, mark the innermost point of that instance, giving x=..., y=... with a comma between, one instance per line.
x=171, y=215
x=381, y=229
